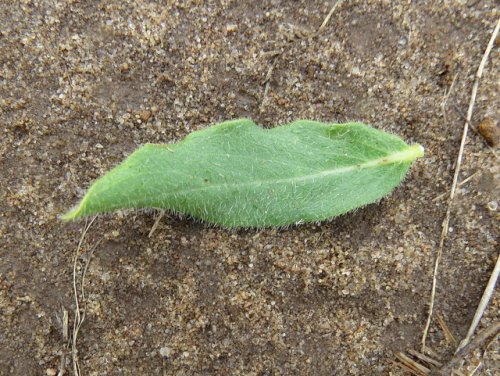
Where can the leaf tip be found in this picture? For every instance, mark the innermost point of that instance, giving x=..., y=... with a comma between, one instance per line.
x=74, y=213
x=418, y=150
x=70, y=215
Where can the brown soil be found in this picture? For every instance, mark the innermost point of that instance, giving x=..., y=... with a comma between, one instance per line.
x=83, y=83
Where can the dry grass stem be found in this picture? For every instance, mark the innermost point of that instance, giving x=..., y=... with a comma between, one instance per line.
x=65, y=325
x=329, y=15
x=62, y=365
x=485, y=299
x=417, y=368
x=404, y=367
x=450, y=338
x=476, y=368
x=429, y=351
x=458, y=165
x=462, y=183
x=481, y=338
x=79, y=314
x=157, y=222
x=425, y=358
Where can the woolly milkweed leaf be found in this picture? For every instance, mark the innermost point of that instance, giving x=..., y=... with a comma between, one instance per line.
x=237, y=174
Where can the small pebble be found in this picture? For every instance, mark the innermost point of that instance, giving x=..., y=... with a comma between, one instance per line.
x=145, y=115
x=492, y=205
x=490, y=131
x=231, y=28
x=51, y=372
x=165, y=351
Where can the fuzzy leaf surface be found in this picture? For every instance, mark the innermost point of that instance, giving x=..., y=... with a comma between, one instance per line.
x=237, y=174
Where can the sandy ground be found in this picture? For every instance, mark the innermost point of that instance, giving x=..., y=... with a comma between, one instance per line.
x=83, y=83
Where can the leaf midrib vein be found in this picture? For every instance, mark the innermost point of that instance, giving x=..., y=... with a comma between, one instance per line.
x=396, y=157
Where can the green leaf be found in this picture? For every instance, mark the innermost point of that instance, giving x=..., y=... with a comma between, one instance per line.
x=236, y=174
